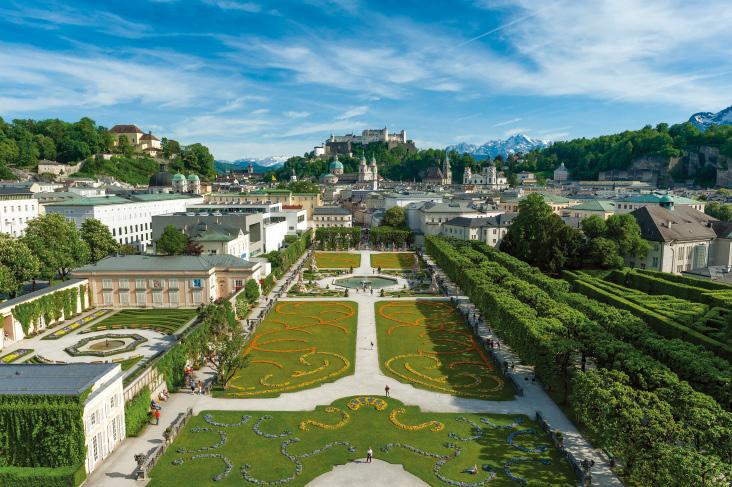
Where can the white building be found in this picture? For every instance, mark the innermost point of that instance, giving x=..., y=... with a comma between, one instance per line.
x=489, y=230
x=431, y=216
x=488, y=177
x=634, y=202
x=274, y=234
x=129, y=220
x=17, y=207
x=332, y=216
x=104, y=409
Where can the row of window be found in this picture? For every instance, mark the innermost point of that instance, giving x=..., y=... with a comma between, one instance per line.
x=124, y=283
x=126, y=230
x=141, y=297
x=12, y=208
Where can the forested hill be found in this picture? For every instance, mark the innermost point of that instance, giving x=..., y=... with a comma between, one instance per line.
x=397, y=164
x=25, y=142
x=585, y=158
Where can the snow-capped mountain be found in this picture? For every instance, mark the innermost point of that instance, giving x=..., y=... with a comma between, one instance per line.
x=703, y=120
x=515, y=144
x=260, y=165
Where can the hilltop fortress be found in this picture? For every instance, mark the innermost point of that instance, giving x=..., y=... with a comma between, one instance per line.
x=341, y=144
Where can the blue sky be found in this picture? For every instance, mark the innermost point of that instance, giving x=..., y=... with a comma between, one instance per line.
x=257, y=78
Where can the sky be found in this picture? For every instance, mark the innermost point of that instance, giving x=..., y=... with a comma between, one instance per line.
x=259, y=78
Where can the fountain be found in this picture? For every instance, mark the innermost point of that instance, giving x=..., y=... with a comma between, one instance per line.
x=365, y=282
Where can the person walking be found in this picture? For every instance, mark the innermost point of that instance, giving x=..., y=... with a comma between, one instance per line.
x=372, y=345
x=200, y=386
x=193, y=385
x=386, y=390
x=157, y=416
x=369, y=455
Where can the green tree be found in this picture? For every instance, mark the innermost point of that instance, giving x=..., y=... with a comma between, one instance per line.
x=57, y=244
x=226, y=340
x=171, y=242
x=301, y=187
x=124, y=147
x=720, y=211
x=171, y=148
x=99, y=239
x=19, y=263
x=198, y=159
x=540, y=237
x=624, y=230
x=127, y=249
x=395, y=217
x=593, y=227
x=251, y=290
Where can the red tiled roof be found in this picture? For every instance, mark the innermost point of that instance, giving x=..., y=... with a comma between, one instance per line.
x=125, y=129
x=148, y=137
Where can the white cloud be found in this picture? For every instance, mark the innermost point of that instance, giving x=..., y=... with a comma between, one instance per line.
x=515, y=131
x=506, y=122
x=250, y=7
x=353, y=112
x=260, y=111
x=292, y=114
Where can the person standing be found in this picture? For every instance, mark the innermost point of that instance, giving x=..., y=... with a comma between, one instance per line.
x=200, y=386
x=369, y=455
x=386, y=390
x=157, y=416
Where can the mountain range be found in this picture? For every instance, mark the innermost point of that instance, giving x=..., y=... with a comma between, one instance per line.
x=703, y=120
x=260, y=165
x=514, y=144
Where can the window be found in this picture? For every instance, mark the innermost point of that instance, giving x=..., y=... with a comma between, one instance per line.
x=679, y=268
x=107, y=297
x=196, y=297
x=140, y=297
x=157, y=297
x=655, y=262
x=106, y=284
x=238, y=283
x=95, y=448
x=93, y=419
x=140, y=283
x=112, y=401
x=196, y=283
x=172, y=283
x=124, y=298
x=174, y=297
x=114, y=430
x=124, y=283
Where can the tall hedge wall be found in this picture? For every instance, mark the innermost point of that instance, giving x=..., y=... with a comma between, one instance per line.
x=41, y=431
x=72, y=476
x=136, y=412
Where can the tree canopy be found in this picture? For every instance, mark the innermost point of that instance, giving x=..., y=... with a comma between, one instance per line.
x=395, y=217
x=17, y=264
x=98, y=238
x=57, y=244
x=171, y=242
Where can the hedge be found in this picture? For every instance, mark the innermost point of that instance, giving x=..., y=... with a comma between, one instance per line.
x=137, y=412
x=49, y=307
x=282, y=259
x=660, y=283
x=42, y=430
x=689, y=281
x=661, y=324
x=71, y=476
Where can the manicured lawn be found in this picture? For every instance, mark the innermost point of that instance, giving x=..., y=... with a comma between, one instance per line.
x=337, y=260
x=428, y=344
x=393, y=260
x=163, y=320
x=264, y=447
x=300, y=345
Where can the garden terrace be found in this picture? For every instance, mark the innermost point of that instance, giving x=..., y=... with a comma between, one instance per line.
x=548, y=330
x=228, y=448
x=427, y=344
x=393, y=260
x=166, y=321
x=299, y=345
x=337, y=260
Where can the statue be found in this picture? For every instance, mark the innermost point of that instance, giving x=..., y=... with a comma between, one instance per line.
x=300, y=286
x=434, y=288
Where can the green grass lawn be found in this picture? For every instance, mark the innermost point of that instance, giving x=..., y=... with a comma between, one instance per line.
x=393, y=260
x=428, y=344
x=163, y=320
x=299, y=345
x=437, y=447
x=337, y=260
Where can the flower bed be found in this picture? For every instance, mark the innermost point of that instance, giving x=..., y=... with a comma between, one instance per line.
x=66, y=329
x=75, y=351
x=11, y=357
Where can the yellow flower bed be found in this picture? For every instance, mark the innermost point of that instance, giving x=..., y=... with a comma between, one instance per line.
x=434, y=426
x=375, y=402
x=345, y=418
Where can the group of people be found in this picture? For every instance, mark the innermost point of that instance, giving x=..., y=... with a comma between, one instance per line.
x=494, y=343
x=155, y=411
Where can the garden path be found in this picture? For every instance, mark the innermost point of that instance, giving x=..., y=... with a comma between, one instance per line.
x=361, y=474
x=367, y=380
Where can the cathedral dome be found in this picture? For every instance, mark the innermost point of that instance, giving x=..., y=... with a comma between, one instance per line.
x=161, y=179
x=193, y=177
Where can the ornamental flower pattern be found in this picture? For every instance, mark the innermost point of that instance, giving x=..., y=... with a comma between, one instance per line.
x=13, y=356
x=514, y=460
x=375, y=402
x=528, y=431
x=345, y=418
x=267, y=417
x=434, y=426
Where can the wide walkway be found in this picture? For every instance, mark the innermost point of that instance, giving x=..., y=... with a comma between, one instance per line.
x=367, y=380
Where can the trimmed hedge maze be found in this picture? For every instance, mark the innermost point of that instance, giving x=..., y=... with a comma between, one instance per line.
x=299, y=345
x=166, y=321
x=228, y=448
x=427, y=344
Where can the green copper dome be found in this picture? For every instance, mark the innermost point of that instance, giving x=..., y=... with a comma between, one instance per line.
x=179, y=177
x=193, y=177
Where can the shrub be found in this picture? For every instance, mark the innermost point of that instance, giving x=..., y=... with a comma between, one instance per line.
x=136, y=412
x=71, y=476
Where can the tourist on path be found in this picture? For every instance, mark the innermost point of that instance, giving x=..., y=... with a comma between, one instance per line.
x=157, y=416
x=369, y=455
x=386, y=390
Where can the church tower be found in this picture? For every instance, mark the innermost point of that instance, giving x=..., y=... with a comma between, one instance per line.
x=467, y=175
x=374, y=174
x=446, y=171
x=362, y=170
